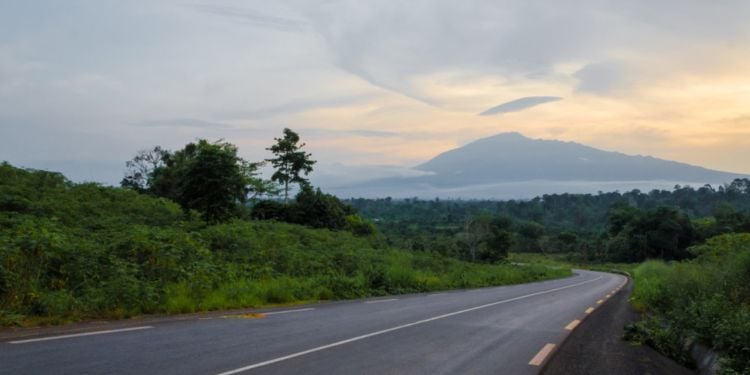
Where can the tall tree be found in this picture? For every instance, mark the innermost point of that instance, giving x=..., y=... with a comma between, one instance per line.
x=214, y=180
x=206, y=176
x=291, y=162
x=140, y=170
x=475, y=232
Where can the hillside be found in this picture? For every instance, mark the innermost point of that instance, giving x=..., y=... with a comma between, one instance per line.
x=81, y=251
x=510, y=165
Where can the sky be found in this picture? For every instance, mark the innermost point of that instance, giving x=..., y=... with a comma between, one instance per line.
x=372, y=87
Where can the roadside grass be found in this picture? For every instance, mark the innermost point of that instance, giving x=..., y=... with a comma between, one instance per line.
x=705, y=300
x=562, y=260
x=72, y=252
x=401, y=273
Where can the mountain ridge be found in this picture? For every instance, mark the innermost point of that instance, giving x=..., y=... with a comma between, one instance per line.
x=511, y=165
x=508, y=157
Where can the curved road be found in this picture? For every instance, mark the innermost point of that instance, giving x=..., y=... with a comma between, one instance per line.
x=505, y=330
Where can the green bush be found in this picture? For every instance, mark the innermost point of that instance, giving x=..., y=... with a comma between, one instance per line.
x=705, y=300
x=70, y=252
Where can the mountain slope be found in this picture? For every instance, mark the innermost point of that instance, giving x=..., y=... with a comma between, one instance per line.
x=511, y=166
x=511, y=157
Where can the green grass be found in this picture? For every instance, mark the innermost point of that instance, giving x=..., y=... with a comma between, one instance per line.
x=72, y=252
x=705, y=300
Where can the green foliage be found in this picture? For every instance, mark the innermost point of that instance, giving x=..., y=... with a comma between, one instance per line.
x=290, y=161
x=315, y=209
x=664, y=233
x=604, y=227
x=705, y=299
x=70, y=252
x=208, y=177
x=359, y=226
x=319, y=210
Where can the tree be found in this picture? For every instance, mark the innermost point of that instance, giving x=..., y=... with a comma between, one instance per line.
x=290, y=161
x=206, y=176
x=499, y=240
x=316, y=209
x=529, y=234
x=214, y=180
x=475, y=232
x=139, y=171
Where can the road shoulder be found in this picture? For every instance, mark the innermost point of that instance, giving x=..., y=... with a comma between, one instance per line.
x=596, y=346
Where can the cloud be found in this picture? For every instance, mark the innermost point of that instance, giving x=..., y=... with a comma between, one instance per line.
x=605, y=78
x=243, y=70
x=366, y=133
x=519, y=104
x=331, y=175
x=185, y=122
x=253, y=17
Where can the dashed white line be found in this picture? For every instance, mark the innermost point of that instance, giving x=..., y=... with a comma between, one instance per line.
x=288, y=311
x=396, y=328
x=382, y=300
x=79, y=335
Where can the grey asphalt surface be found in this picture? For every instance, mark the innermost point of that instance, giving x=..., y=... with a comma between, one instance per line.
x=494, y=330
x=597, y=346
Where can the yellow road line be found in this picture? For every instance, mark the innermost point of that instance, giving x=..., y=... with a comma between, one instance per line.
x=599, y=302
x=542, y=355
x=573, y=325
x=589, y=310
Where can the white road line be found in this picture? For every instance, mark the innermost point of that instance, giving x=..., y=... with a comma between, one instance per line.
x=382, y=300
x=436, y=294
x=396, y=328
x=288, y=311
x=79, y=335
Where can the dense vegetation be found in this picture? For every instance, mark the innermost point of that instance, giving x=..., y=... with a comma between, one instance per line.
x=72, y=251
x=704, y=300
x=693, y=287
x=199, y=229
x=617, y=227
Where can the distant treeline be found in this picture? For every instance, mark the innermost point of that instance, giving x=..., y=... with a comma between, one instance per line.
x=621, y=227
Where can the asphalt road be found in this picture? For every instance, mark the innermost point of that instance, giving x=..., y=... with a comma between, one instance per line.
x=499, y=330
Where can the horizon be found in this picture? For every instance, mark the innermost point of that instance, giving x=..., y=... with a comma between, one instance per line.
x=82, y=91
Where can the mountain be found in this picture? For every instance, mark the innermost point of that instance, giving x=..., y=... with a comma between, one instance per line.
x=509, y=165
x=510, y=157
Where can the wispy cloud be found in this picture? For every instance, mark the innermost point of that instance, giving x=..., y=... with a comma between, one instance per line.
x=366, y=133
x=253, y=17
x=519, y=104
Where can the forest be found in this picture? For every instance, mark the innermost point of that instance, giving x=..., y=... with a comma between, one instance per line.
x=613, y=227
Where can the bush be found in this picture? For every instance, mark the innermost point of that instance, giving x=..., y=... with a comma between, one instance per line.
x=703, y=300
x=70, y=252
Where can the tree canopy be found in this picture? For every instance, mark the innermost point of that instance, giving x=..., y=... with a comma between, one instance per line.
x=206, y=176
x=290, y=161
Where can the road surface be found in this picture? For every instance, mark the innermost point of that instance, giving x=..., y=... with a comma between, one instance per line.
x=497, y=330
